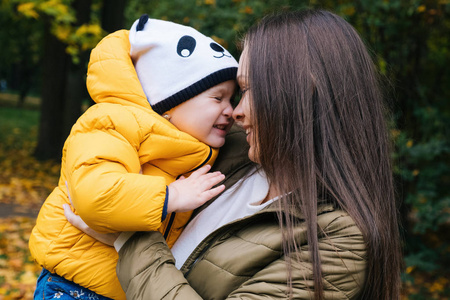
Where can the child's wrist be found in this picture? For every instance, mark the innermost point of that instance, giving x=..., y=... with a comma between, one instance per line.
x=171, y=200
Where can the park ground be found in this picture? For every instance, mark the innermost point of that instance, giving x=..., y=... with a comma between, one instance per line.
x=26, y=182
x=24, y=185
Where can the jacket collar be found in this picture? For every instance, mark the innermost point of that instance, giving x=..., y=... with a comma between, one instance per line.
x=275, y=207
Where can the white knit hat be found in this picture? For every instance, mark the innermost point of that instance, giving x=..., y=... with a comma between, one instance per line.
x=175, y=62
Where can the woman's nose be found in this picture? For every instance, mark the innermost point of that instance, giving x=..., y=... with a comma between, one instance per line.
x=238, y=114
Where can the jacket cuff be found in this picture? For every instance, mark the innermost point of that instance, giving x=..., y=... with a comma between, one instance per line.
x=122, y=239
x=166, y=200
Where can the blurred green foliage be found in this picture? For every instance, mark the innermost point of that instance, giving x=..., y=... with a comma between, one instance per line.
x=62, y=18
x=410, y=43
x=225, y=21
x=20, y=49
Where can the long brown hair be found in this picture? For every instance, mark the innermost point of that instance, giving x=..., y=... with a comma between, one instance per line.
x=321, y=134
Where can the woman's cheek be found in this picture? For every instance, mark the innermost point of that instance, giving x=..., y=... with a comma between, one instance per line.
x=253, y=150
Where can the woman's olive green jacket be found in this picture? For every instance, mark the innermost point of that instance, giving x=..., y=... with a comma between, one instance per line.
x=244, y=259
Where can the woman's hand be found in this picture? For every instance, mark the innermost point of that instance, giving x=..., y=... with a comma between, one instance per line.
x=75, y=220
x=189, y=193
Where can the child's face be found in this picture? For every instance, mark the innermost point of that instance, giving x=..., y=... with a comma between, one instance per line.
x=207, y=116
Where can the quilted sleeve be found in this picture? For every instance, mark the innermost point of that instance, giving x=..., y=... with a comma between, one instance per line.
x=146, y=270
x=102, y=167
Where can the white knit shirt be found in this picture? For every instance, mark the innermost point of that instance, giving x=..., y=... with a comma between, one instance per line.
x=241, y=200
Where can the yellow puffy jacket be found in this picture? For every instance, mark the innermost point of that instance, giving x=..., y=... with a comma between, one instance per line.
x=102, y=157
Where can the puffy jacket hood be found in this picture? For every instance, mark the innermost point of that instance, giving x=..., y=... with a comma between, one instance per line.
x=111, y=76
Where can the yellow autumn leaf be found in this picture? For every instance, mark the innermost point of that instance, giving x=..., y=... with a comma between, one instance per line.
x=72, y=50
x=421, y=8
x=247, y=10
x=349, y=10
x=436, y=287
x=28, y=277
x=395, y=133
x=55, y=6
x=409, y=144
x=31, y=268
x=3, y=263
x=28, y=10
x=93, y=29
x=63, y=32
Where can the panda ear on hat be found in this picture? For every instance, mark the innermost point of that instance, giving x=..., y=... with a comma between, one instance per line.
x=175, y=62
x=141, y=22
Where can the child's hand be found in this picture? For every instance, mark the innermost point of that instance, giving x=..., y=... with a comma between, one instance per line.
x=189, y=193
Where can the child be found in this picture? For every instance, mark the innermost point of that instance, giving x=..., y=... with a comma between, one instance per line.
x=164, y=116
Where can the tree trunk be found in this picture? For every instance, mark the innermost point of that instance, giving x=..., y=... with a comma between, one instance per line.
x=54, y=68
x=76, y=89
x=113, y=15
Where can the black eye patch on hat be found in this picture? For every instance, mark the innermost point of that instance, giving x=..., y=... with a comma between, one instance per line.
x=186, y=46
x=221, y=50
x=175, y=62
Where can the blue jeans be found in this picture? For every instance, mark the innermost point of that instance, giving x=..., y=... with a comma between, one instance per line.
x=52, y=286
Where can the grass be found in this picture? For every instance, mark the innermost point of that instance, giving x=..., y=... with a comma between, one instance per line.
x=18, y=126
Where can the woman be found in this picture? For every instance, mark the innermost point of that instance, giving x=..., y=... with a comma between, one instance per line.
x=313, y=115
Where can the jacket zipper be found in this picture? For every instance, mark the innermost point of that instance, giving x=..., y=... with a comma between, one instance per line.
x=204, y=162
x=169, y=225
x=172, y=215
